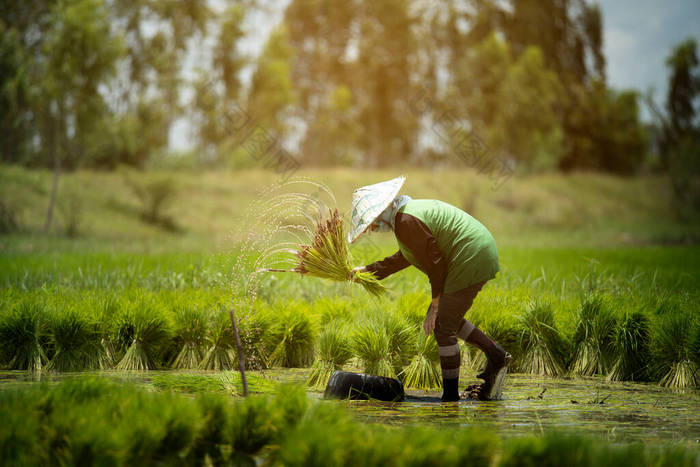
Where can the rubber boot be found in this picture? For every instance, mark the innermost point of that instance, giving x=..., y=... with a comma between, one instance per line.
x=497, y=361
x=450, y=390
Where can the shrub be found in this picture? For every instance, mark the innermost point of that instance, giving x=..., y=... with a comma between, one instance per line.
x=71, y=209
x=8, y=218
x=155, y=193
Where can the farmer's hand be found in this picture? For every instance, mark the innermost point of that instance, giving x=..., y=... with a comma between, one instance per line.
x=429, y=324
x=355, y=271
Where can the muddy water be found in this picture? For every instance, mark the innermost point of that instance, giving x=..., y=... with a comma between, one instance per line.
x=617, y=411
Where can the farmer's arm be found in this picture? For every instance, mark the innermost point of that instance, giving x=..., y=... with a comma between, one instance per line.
x=388, y=265
x=415, y=235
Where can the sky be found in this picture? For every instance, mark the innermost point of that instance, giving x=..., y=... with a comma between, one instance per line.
x=639, y=35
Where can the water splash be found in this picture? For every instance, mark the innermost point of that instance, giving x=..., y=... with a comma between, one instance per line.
x=281, y=220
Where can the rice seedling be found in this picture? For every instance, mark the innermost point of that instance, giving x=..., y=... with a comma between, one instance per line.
x=76, y=342
x=108, y=309
x=594, y=338
x=257, y=339
x=295, y=336
x=672, y=349
x=504, y=332
x=423, y=372
x=190, y=336
x=334, y=351
x=328, y=256
x=142, y=332
x=23, y=333
x=333, y=309
x=220, y=354
x=544, y=348
x=383, y=344
x=371, y=345
x=632, y=354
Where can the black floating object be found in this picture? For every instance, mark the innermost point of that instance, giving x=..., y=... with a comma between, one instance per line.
x=356, y=386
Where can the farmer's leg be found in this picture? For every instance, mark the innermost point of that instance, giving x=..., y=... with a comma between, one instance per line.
x=496, y=357
x=449, y=317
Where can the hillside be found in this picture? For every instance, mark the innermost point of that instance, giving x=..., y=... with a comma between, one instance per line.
x=581, y=209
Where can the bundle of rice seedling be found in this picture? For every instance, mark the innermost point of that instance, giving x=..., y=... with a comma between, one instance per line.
x=190, y=336
x=257, y=338
x=383, y=344
x=328, y=256
x=544, y=348
x=632, y=354
x=673, y=351
x=333, y=352
x=295, y=336
x=220, y=354
x=423, y=372
x=594, y=338
x=23, y=335
x=76, y=341
x=142, y=333
x=371, y=346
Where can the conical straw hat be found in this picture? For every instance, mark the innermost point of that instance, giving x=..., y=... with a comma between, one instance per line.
x=368, y=203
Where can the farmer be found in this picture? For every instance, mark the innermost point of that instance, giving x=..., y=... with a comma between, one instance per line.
x=456, y=252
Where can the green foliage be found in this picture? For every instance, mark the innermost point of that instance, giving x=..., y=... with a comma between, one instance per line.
x=334, y=351
x=23, y=333
x=423, y=372
x=632, y=354
x=220, y=339
x=594, y=337
x=142, y=332
x=76, y=340
x=673, y=348
x=382, y=342
x=8, y=218
x=295, y=335
x=64, y=424
x=190, y=336
x=72, y=210
x=544, y=348
x=156, y=194
x=257, y=338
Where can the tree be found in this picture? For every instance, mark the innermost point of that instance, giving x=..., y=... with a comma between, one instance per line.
x=680, y=130
x=78, y=55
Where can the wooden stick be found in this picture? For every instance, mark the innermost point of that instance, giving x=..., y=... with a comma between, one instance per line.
x=239, y=350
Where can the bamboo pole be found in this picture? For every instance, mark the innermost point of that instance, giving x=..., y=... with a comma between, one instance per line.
x=239, y=350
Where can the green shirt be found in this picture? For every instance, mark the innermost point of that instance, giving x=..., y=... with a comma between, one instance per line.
x=468, y=246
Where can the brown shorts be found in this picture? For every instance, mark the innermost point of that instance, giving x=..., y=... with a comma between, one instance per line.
x=451, y=312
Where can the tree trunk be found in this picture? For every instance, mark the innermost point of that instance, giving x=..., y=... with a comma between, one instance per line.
x=56, y=174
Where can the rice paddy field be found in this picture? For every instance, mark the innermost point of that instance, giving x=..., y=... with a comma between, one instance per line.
x=117, y=349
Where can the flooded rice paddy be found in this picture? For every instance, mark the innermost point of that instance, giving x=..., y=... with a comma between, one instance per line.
x=617, y=412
